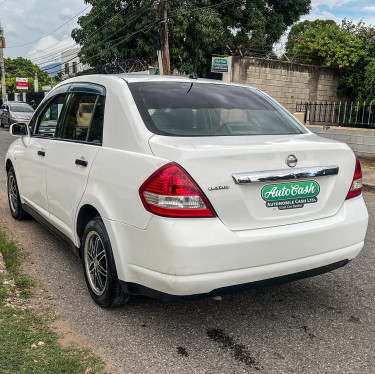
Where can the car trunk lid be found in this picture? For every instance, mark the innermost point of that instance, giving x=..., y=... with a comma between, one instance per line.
x=315, y=187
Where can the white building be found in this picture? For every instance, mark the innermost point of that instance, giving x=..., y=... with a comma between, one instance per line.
x=71, y=64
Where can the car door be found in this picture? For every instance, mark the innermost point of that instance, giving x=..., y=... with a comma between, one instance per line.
x=1, y=114
x=77, y=142
x=31, y=154
x=5, y=115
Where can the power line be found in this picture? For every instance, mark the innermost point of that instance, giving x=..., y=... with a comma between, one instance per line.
x=22, y=45
x=137, y=14
x=90, y=35
x=86, y=22
x=144, y=29
x=256, y=51
x=53, y=55
x=121, y=28
x=3, y=2
x=225, y=2
x=50, y=47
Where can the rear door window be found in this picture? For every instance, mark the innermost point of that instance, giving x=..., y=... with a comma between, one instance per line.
x=84, y=118
x=79, y=111
x=95, y=134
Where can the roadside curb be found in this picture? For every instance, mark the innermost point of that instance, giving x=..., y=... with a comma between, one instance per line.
x=369, y=187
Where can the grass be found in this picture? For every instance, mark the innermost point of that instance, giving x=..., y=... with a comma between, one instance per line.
x=27, y=344
x=13, y=259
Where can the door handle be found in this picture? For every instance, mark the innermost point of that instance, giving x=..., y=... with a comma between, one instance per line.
x=81, y=162
x=41, y=153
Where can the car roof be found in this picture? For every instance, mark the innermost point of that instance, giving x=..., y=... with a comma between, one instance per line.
x=133, y=78
x=169, y=78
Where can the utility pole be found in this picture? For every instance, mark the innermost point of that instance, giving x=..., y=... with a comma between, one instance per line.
x=36, y=83
x=2, y=45
x=164, y=38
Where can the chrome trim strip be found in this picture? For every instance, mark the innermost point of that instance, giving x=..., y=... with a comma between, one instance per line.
x=283, y=175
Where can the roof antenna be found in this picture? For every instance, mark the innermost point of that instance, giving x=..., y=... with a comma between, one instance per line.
x=195, y=75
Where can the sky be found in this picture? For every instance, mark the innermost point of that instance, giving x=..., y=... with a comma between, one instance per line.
x=40, y=29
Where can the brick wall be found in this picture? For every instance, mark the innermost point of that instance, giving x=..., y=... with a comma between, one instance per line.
x=286, y=82
x=361, y=141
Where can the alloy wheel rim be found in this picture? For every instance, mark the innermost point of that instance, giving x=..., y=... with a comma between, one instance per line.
x=12, y=192
x=96, y=263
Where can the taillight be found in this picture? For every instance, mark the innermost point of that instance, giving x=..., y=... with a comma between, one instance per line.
x=171, y=192
x=356, y=187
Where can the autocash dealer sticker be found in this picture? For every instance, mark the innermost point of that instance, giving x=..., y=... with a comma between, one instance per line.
x=290, y=195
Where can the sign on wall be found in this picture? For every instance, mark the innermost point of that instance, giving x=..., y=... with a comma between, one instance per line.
x=22, y=83
x=219, y=65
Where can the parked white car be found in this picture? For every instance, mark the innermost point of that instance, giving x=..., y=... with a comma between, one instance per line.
x=181, y=188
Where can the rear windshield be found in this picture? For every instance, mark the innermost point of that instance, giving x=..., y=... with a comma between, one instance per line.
x=206, y=109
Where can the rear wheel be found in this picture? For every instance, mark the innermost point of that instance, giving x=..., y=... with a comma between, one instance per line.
x=14, y=200
x=99, y=266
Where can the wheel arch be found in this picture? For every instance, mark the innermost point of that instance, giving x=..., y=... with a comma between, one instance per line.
x=8, y=164
x=85, y=214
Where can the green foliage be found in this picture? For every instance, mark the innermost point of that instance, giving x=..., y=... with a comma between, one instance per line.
x=22, y=68
x=27, y=345
x=370, y=78
x=12, y=259
x=225, y=27
x=347, y=47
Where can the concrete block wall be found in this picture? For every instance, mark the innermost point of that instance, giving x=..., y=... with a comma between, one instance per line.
x=361, y=141
x=286, y=82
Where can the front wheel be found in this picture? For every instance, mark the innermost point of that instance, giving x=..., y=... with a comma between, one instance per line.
x=14, y=199
x=99, y=266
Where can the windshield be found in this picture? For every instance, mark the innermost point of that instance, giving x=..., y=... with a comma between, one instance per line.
x=20, y=108
x=206, y=109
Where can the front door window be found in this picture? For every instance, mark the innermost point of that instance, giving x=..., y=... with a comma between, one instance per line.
x=50, y=116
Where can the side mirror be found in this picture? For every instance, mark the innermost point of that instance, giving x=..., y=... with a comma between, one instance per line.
x=19, y=129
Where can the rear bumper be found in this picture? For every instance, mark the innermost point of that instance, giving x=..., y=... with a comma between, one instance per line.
x=138, y=289
x=190, y=257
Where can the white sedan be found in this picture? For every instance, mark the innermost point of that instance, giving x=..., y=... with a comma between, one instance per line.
x=181, y=188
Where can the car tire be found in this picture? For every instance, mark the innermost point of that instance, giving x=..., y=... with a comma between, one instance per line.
x=99, y=266
x=14, y=199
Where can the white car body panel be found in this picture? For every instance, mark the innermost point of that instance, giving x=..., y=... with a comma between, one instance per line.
x=66, y=181
x=29, y=164
x=246, y=242
x=203, y=254
x=118, y=191
x=211, y=162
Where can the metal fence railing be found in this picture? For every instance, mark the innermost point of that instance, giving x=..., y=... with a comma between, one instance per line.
x=353, y=114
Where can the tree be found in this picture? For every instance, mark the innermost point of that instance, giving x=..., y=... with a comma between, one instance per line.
x=114, y=33
x=370, y=78
x=347, y=47
x=22, y=68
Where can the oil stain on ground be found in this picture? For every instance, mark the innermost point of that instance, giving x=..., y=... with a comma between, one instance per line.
x=238, y=351
x=182, y=351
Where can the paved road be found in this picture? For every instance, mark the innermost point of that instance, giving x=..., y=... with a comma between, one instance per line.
x=320, y=325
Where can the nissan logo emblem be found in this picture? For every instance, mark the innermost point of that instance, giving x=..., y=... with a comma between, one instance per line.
x=291, y=161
